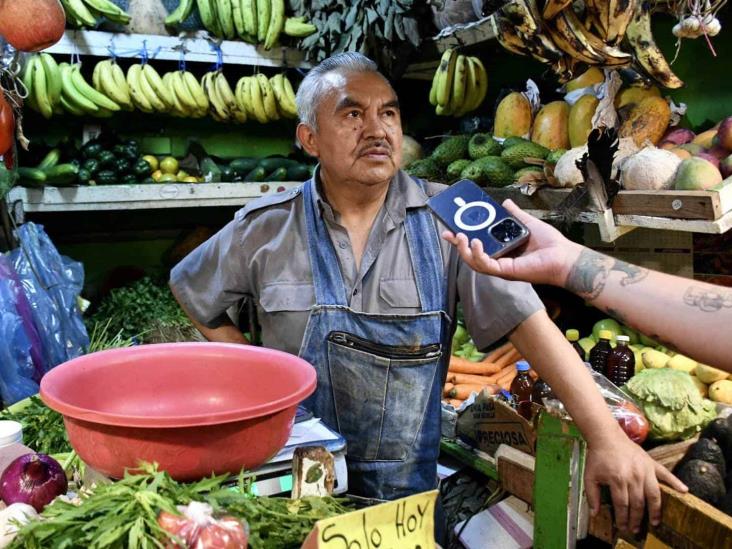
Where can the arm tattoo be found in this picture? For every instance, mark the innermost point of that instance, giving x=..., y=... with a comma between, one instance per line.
x=708, y=300
x=589, y=274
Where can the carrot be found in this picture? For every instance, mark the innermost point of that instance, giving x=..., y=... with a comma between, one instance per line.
x=506, y=373
x=506, y=383
x=447, y=388
x=462, y=379
x=497, y=352
x=478, y=368
x=508, y=358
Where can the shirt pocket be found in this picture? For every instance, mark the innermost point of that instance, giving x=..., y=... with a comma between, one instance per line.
x=400, y=294
x=287, y=296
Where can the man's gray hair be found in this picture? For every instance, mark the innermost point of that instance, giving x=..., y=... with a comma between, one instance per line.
x=312, y=88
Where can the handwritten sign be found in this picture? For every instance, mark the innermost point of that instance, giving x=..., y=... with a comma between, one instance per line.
x=407, y=523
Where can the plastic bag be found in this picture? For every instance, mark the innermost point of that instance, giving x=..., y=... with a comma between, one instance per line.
x=625, y=411
x=51, y=284
x=197, y=528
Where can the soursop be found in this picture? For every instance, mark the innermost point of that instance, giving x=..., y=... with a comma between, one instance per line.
x=483, y=144
x=514, y=156
x=554, y=156
x=456, y=168
x=425, y=168
x=490, y=170
x=514, y=140
x=451, y=149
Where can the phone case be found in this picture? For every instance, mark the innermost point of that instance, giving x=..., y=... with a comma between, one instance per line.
x=466, y=208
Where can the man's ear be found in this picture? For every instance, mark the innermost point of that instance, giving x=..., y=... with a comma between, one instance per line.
x=307, y=138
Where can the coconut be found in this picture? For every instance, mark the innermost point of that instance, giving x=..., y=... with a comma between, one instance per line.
x=411, y=151
x=649, y=169
x=567, y=173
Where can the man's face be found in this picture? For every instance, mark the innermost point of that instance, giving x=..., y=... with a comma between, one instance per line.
x=359, y=135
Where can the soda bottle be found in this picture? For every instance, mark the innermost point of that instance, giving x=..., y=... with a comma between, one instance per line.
x=541, y=391
x=600, y=352
x=521, y=387
x=573, y=338
x=621, y=362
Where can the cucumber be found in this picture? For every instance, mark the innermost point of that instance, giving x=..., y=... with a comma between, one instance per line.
x=31, y=177
x=210, y=170
x=243, y=166
x=273, y=162
x=257, y=174
x=50, y=160
x=62, y=175
x=227, y=173
x=301, y=172
x=280, y=174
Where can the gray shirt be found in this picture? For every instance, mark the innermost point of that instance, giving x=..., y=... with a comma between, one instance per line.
x=262, y=254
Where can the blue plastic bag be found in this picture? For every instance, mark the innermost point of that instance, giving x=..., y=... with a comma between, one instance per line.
x=51, y=284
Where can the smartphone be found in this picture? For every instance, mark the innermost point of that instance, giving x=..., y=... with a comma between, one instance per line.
x=465, y=208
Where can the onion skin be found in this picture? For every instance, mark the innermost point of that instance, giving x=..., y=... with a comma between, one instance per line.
x=35, y=479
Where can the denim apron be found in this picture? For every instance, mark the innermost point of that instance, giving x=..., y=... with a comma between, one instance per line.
x=379, y=376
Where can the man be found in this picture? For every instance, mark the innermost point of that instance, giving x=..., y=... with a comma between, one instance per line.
x=691, y=316
x=349, y=272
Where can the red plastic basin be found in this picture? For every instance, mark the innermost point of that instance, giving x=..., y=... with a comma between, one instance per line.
x=193, y=408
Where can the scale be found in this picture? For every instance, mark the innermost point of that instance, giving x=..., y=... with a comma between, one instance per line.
x=275, y=477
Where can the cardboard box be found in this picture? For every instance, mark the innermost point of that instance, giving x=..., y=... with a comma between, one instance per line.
x=490, y=422
x=508, y=525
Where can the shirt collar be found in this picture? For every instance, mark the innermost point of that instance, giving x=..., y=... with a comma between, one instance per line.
x=404, y=193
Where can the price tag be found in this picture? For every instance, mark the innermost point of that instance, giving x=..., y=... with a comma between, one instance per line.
x=407, y=523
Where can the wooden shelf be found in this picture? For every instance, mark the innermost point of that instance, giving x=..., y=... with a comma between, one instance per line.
x=140, y=197
x=468, y=34
x=197, y=48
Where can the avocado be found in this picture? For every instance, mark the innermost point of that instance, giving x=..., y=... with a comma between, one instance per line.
x=514, y=140
x=456, y=168
x=703, y=480
x=708, y=450
x=451, y=149
x=483, y=144
x=425, y=168
x=720, y=431
x=514, y=156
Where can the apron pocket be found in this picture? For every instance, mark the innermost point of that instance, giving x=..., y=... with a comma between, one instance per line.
x=380, y=394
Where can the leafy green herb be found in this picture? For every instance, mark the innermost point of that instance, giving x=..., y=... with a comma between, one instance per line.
x=102, y=338
x=43, y=429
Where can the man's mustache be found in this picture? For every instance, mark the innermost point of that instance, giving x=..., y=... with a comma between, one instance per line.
x=383, y=144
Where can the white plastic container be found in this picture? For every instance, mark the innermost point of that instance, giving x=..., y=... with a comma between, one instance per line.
x=11, y=432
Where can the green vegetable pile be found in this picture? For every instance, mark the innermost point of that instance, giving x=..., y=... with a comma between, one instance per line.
x=463, y=346
x=124, y=514
x=386, y=30
x=139, y=310
x=671, y=403
x=43, y=429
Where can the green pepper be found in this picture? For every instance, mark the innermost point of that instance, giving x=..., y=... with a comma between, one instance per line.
x=91, y=165
x=91, y=149
x=106, y=177
x=119, y=150
x=121, y=166
x=141, y=169
x=106, y=159
x=129, y=179
x=84, y=176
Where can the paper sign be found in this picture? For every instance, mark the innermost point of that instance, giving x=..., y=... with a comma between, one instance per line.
x=488, y=423
x=407, y=523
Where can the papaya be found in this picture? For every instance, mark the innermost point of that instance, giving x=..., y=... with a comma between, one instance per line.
x=580, y=119
x=647, y=121
x=590, y=77
x=635, y=94
x=551, y=126
x=513, y=116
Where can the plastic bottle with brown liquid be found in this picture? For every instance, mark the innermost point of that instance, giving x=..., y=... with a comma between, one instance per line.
x=620, y=362
x=601, y=351
x=521, y=388
x=573, y=337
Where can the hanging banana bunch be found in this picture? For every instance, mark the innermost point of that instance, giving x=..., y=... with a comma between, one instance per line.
x=266, y=99
x=459, y=85
x=85, y=13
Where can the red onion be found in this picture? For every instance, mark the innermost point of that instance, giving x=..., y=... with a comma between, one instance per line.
x=35, y=479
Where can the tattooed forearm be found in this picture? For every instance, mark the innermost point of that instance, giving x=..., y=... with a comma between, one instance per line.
x=589, y=274
x=708, y=300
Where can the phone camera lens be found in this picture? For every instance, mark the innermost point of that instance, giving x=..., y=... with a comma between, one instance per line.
x=506, y=231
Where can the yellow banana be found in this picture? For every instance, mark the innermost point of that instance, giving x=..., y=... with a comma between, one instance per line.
x=291, y=97
x=194, y=87
x=117, y=91
x=457, y=98
x=268, y=98
x=224, y=91
x=256, y=101
x=156, y=83
x=178, y=109
x=139, y=98
x=217, y=107
x=447, y=68
x=647, y=53
x=157, y=102
x=286, y=109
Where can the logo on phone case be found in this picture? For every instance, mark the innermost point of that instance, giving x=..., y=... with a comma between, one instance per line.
x=470, y=216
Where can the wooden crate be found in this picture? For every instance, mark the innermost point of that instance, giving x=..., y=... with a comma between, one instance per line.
x=700, y=205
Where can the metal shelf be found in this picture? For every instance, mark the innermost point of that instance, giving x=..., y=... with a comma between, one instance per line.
x=140, y=197
x=197, y=47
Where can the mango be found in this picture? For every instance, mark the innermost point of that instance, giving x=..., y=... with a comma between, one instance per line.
x=654, y=359
x=696, y=174
x=703, y=389
x=647, y=121
x=683, y=154
x=590, y=77
x=705, y=139
x=693, y=148
x=580, y=119
x=635, y=94
x=513, y=116
x=709, y=375
x=682, y=363
x=721, y=391
x=551, y=126
x=724, y=134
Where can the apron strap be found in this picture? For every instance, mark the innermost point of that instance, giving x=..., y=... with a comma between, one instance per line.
x=327, y=277
x=426, y=252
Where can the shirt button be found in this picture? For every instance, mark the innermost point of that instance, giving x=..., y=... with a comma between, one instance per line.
x=355, y=292
x=343, y=244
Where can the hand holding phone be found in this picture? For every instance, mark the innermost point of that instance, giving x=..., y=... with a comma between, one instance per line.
x=466, y=208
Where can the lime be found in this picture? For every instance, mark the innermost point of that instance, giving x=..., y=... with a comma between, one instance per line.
x=169, y=165
x=167, y=178
x=150, y=159
x=156, y=175
x=189, y=179
x=181, y=175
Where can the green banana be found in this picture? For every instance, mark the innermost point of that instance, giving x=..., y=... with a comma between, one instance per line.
x=53, y=77
x=298, y=27
x=238, y=14
x=276, y=23
x=73, y=97
x=209, y=18
x=27, y=79
x=40, y=90
x=249, y=11
x=225, y=14
x=109, y=10
x=80, y=12
x=179, y=14
x=264, y=11
x=70, y=107
x=89, y=92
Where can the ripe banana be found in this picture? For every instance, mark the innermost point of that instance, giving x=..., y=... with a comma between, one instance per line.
x=155, y=100
x=285, y=106
x=158, y=87
x=519, y=13
x=40, y=90
x=480, y=77
x=291, y=97
x=178, y=109
x=298, y=27
x=249, y=11
x=264, y=12
x=611, y=55
x=268, y=97
x=196, y=91
x=447, y=68
x=225, y=14
x=457, y=98
x=612, y=17
x=256, y=101
x=225, y=92
x=553, y=7
x=217, y=107
x=243, y=98
x=53, y=77
x=182, y=93
x=179, y=14
x=570, y=38
x=73, y=96
x=647, y=53
x=139, y=98
x=276, y=23
x=114, y=85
